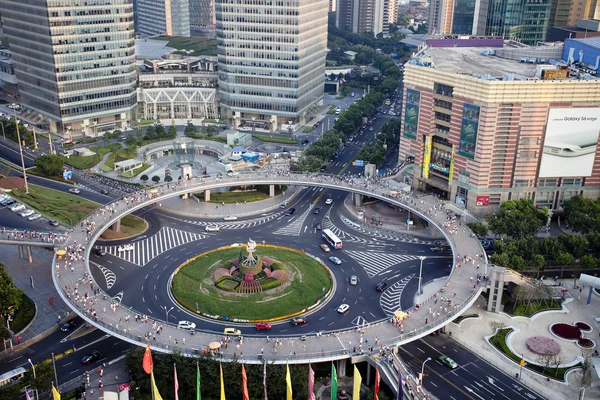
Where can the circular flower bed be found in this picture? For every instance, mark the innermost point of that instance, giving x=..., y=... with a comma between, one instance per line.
x=566, y=331
x=543, y=345
x=586, y=343
x=583, y=326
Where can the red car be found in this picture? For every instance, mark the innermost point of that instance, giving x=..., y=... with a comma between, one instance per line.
x=263, y=326
x=123, y=386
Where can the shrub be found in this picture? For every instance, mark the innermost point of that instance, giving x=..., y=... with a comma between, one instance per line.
x=280, y=275
x=227, y=284
x=276, y=265
x=269, y=283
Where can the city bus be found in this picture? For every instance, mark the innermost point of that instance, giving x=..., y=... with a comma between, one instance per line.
x=330, y=238
x=12, y=377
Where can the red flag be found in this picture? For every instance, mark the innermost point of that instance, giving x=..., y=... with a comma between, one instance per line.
x=147, y=361
x=27, y=397
x=176, y=383
x=244, y=384
x=377, y=380
x=311, y=383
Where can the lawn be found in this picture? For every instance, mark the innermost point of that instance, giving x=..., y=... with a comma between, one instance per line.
x=200, y=46
x=527, y=310
x=307, y=129
x=24, y=316
x=240, y=197
x=499, y=342
x=193, y=284
x=135, y=172
x=221, y=139
x=109, y=164
x=103, y=150
x=266, y=138
x=82, y=162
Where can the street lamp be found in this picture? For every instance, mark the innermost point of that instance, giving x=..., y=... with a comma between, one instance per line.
x=37, y=397
x=167, y=312
x=253, y=125
x=423, y=371
x=21, y=151
x=420, y=278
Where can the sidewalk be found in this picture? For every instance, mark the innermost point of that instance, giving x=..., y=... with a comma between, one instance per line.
x=114, y=373
x=472, y=333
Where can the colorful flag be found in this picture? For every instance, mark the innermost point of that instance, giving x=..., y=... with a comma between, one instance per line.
x=400, y=386
x=311, y=383
x=147, y=360
x=198, y=396
x=265, y=379
x=55, y=394
x=288, y=381
x=222, y=383
x=27, y=395
x=356, y=386
x=377, y=380
x=176, y=383
x=155, y=394
x=244, y=384
x=333, y=382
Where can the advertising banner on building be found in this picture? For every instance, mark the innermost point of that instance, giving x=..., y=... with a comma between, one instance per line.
x=570, y=143
x=451, y=172
x=411, y=113
x=468, y=131
x=483, y=200
x=426, y=157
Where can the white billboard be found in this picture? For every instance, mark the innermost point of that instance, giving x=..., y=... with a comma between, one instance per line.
x=570, y=143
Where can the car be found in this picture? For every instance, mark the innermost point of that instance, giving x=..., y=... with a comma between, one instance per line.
x=354, y=280
x=230, y=218
x=368, y=123
x=90, y=358
x=26, y=213
x=323, y=169
x=448, y=361
x=325, y=248
x=5, y=200
x=103, y=191
x=329, y=201
x=318, y=226
x=335, y=260
x=187, y=325
x=232, y=331
x=298, y=321
x=99, y=252
x=212, y=228
x=371, y=129
x=17, y=207
x=338, y=111
x=34, y=217
x=317, y=210
x=75, y=190
x=438, y=249
x=381, y=286
x=263, y=326
x=346, y=144
x=125, y=247
x=68, y=326
x=343, y=308
x=291, y=211
x=123, y=386
x=52, y=222
x=305, y=141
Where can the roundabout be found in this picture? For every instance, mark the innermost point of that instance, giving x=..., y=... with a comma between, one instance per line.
x=336, y=331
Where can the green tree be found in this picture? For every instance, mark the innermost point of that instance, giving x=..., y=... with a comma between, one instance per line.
x=156, y=179
x=537, y=262
x=106, y=136
x=190, y=130
x=168, y=178
x=160, y=131
x=50, y=164
x=172, y=132
x=309, y=164
x=479, y=228
x=144, y=178
x=500, y=259
x=44, y=376
x=150, y=132
x=588, y=261
x=130, y=139
x=131, y=151
x=583, y=214
x=517, y=262
x=10, y=295
x=518, y=219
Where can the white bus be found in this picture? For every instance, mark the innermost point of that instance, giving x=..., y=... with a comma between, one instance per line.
x=332, y=239
x=12, y=377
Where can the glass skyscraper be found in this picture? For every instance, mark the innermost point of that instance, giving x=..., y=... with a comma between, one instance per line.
x=523, y=20
x=74, y=61
x=462, y=18
x=162, y=17
x=271, y=57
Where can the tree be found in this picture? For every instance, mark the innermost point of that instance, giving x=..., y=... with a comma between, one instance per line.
x=44, y=376
x=156, y=179
x=190, y=130
x=150, y=132
x=496, y=325
x=479, y=228
x=583, y=214
x=309, y=164
x=172, y=132
x=50, y=164
x=144, y=178
x=10, y=296
x=106, y=137
x=584, y=378
x=518, y=219
x=588, y=261
x=131, y=151
x=500, y=259
x=537, y=262
x=160, y=131
x=564, y=260
x=168, y=178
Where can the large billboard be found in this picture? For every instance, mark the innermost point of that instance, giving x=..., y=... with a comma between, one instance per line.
x=570, y=142
x=411, y=113
x=468, y=130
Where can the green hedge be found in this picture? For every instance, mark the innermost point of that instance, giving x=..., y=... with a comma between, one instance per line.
x=227, y=284
x=269, y=283
x=276, y=265
x=266, y=138
x=24, y=316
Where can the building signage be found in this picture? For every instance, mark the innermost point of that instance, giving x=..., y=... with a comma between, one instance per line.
x=483, y=200
x=570, y=143
x=439, y=167
x=468, y=131
x=451, y=169
x=426, y=157
x=411, y=113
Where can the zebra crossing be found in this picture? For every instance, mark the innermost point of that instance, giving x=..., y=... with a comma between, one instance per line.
x=328, y=224
x=293, y=228
x=145, y=250
x=387, y=235
x=109, y=276
x=390, y=299
x=375, y=262
x=234, y=225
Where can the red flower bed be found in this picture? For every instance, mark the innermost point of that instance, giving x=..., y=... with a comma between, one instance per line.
x=583, y=326
x=566, y=331
x=587, y=343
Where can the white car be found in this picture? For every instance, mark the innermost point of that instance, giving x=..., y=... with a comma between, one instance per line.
x=17, y=207
x=34, y=217
x=125, y=247
x=329, y=201
x=335, y=260
x=230, y=218
x=354, y=280
x=26, y=213
x=187, y=325
x=211, y=228
x=343, y=308
x=75, y=190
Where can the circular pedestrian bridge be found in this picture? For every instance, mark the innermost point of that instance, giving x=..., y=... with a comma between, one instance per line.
x=330, y=345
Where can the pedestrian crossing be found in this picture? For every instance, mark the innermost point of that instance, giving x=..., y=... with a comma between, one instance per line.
x=145, y=250
x=234, y=225
x=328, y=224
x=109, y=276
x=375, y=262
x=387, y=235
x=294, y=227
x=390, y=299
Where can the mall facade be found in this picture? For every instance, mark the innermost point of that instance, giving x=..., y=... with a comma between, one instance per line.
x=483, y=125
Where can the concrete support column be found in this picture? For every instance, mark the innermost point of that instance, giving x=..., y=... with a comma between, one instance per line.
x=116, y=226
x=341, y=367
x=496, y=288
x=272, y=190
x=21, y=253
x=369, y=373
x=207, y=195
x=357, y=199
x=29, y=255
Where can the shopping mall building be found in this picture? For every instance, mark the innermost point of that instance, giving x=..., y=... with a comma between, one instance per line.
x=485, y=121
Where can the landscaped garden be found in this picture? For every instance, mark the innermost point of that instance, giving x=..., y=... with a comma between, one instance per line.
x=573, y=332
x=275, y=282
x=234, y=197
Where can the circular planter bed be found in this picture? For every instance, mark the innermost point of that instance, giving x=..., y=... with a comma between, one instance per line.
x=573, y=332
x=543, y=345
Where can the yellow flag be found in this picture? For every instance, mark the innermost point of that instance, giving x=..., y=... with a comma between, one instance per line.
x=522, y=363
x=288, y=381
x=222, y=383
x=55, y=394
x=356, y=388
x=156, y=395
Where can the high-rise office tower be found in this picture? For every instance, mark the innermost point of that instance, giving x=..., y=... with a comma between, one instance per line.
x=202, y=13
x=271, y=59
x=440, y=16
x=525, y=21
x=361, y=16
x=74, y=62
x=162, y=17
x=568, y=12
